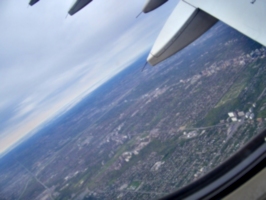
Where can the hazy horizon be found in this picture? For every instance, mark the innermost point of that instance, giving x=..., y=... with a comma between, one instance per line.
x=49, y=61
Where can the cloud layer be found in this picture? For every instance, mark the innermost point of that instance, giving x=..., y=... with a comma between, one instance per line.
x=48, y=61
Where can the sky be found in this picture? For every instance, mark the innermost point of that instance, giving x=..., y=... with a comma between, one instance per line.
x=50, y=60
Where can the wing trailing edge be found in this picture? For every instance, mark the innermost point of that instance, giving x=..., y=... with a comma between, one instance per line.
x=191, y=18
x=185, y=24
x=245, y=16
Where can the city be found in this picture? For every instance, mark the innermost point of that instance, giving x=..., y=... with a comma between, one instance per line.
x=145, y=134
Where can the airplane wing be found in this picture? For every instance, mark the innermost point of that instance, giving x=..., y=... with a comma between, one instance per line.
x=78, y=5
x=32, y=2
x=191, y=18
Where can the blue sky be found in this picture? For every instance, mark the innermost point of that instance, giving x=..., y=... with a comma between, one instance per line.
x=49, y=61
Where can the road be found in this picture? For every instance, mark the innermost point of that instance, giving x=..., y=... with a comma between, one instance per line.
x=33, y=175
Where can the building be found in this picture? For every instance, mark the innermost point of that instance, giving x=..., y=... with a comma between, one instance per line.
x=241, y=114
x=234, y=119
x=251, y=116
x=259, y=119
x=232, y=114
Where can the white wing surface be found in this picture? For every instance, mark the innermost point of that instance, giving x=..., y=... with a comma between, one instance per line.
x=191, y=18
x=246, y=16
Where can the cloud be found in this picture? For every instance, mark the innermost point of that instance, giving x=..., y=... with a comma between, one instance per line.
x=49, y=62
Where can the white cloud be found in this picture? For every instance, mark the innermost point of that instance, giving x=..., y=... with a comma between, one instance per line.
x=49, y=62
